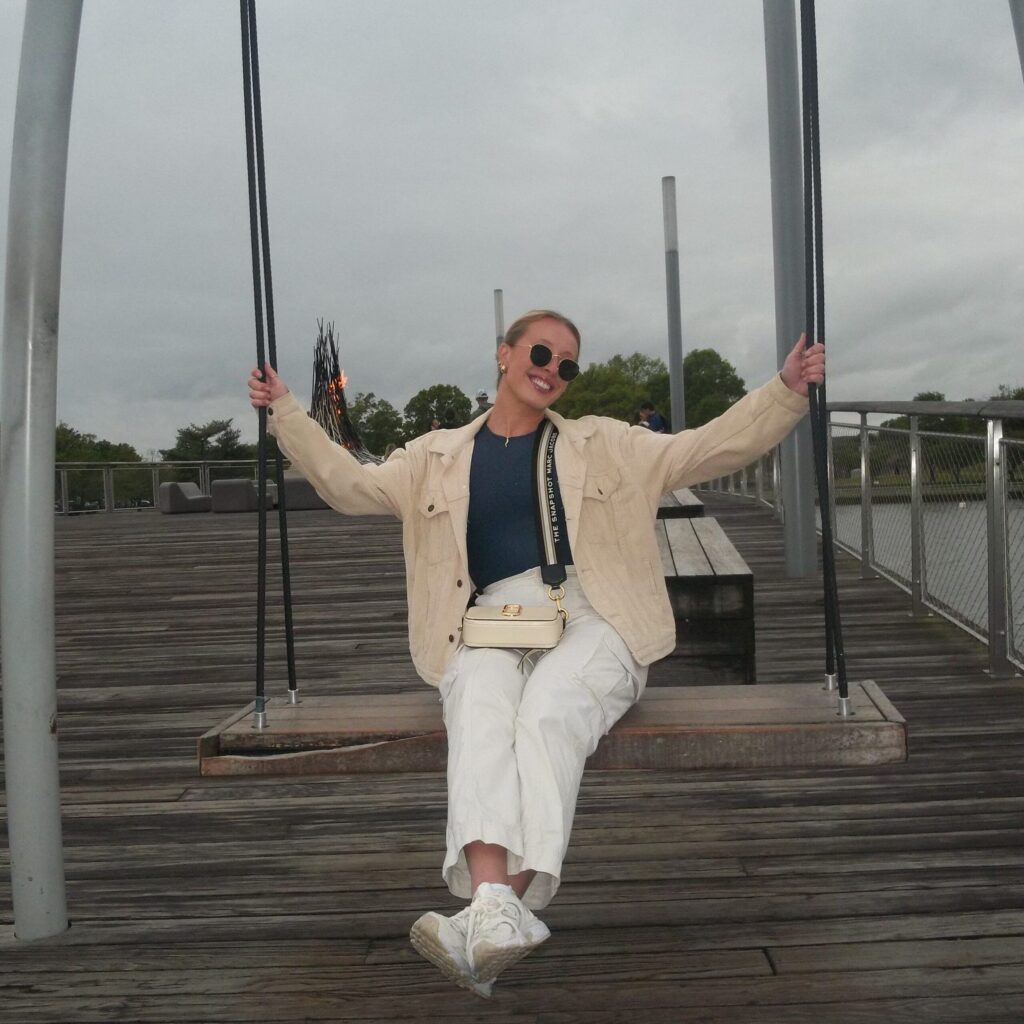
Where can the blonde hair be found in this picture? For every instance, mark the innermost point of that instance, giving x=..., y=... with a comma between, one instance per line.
x=520, y=327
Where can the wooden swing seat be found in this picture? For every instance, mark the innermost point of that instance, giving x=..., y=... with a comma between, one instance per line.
x=774, y=726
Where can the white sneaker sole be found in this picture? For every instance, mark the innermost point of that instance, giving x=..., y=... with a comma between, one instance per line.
x=427, y=942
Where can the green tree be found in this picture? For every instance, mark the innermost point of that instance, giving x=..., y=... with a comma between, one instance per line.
x=74, y=446
x=85, y=486
x=377, y=422
x=206, y=442
x=936, y=423
x=443, y=402
x=617, y=388
x=710, y=386
x=940, y=456
x=846, y=456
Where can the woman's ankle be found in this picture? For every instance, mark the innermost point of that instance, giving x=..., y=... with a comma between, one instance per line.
x=521, y=882
x=487, y=862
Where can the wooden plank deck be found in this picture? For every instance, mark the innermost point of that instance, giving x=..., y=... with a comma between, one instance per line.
x=840, y=896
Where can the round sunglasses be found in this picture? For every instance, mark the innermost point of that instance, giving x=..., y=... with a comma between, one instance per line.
x=541, y=355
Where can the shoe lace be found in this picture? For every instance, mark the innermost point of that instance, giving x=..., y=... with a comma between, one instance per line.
x=499, y=919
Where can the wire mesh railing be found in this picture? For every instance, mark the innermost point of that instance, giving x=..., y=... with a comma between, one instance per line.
x=954, y=547
x=940, y=514
x=845, y=463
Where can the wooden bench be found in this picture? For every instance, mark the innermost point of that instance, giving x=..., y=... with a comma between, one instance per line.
x=778, y=726
x=681, y=504
x=711, y=589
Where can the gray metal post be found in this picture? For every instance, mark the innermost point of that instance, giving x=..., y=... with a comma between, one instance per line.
x=108, y=489
x=780, y=512
x=784, y=143
x=1017, y=16
x=917, y=607
x=759, y=480
x=995, y=495
x=156, y=485
x=29, y=415
x=64, y=491
x=499, y=317
x=675, y=318
x=867, y=532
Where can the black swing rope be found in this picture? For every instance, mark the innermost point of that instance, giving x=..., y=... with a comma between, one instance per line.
x=260, y=241
x=814, y=262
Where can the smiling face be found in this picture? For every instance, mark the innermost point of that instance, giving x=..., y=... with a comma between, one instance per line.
x=537, y=387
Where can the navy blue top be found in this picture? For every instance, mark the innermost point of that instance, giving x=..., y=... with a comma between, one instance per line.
x=501, y=536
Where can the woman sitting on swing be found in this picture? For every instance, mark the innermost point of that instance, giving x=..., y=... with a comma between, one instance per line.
x=521, y=725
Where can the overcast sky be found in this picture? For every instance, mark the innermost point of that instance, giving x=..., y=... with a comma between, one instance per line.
x=422, y=154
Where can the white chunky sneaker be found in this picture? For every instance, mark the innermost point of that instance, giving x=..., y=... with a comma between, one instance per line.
x=442, y=941
x=501, y=931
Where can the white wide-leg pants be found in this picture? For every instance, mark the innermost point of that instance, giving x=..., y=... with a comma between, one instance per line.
x=518, y=737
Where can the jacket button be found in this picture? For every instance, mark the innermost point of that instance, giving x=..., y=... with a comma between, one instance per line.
x=270, y=412
x=458, y=583
x=451, y=638
x=430, y=508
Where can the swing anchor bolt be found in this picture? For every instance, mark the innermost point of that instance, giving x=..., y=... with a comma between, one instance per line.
x=845, y=709
x=293, y=696
x=831, y=682
x=259, y=720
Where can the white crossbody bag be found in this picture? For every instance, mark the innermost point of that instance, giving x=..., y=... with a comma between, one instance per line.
x=523, y=627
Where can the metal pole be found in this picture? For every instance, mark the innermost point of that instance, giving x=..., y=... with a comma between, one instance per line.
x=797, y=472
x=64, y=491
x=108, y=489
x=995, y=495
x=675, y=319
x=29, y=416
x=780, y=512
x=917, y=608
x=1017, y=16
x=830, y=472
x=867, y=533
x=499, y=317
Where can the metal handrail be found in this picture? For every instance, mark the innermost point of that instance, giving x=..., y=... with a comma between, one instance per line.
x=203, y=469
x=1001, y=622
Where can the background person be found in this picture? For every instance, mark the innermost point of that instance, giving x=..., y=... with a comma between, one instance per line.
x=652, y=419
x=482, y=405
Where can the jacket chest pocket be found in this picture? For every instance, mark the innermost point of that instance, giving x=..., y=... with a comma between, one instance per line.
x=608, y=498
x=433, y=514
x=435, y=538
x=601, y=487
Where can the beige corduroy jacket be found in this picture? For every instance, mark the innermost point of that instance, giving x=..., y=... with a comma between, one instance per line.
x=611, y=477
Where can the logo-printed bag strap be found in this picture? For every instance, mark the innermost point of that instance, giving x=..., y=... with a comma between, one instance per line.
x=549, y=524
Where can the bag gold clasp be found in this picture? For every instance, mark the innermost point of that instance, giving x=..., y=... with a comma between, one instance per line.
x=511, y=611
x=556, y=594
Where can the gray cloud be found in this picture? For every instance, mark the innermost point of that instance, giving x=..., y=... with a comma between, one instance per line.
x=421, y=154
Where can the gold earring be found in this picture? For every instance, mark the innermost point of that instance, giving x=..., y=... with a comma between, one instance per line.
x=502, y=368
